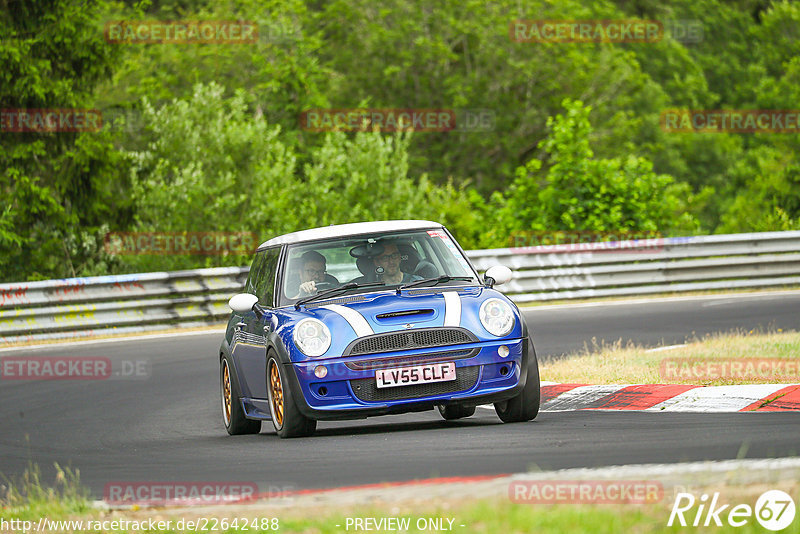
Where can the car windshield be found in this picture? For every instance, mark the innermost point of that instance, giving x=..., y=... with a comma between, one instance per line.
x=381, y=260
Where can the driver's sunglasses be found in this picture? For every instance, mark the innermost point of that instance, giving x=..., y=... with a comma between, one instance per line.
x=314, y=272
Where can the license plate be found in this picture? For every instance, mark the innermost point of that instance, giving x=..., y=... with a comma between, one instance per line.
x=418, y=374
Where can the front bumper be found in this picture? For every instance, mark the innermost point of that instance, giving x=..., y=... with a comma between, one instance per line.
x=349, y=392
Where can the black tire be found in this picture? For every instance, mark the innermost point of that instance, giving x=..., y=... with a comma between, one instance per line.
x=287, y=421
x=455, y=411
x=525, y=406
x=232, y=413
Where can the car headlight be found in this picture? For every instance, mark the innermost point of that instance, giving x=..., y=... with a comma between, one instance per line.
x=497, y=317
x=312, y=337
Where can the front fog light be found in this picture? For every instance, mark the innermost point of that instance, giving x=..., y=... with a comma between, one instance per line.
x=502, y=350
x=320, y=371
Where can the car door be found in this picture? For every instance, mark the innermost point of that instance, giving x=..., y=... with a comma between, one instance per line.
x=249, y=350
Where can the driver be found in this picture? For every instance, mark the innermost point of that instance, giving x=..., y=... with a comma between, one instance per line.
x=312, y=272
x=389, y=261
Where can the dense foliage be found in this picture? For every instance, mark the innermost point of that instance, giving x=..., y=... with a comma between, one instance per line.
x=207, y=137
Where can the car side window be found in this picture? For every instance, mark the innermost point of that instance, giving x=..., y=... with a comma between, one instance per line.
x=265, y=283
x=258, y=261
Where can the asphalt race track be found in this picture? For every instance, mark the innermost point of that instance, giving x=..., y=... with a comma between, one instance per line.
x=167, y=427
x=565, y=329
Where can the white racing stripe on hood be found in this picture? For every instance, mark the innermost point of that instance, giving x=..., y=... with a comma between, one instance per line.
x=452, y=308
x=356, y=320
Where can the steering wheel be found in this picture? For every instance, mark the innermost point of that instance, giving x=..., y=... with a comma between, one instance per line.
x=322, y=286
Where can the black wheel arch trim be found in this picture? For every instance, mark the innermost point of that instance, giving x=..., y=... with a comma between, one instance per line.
x=224, y=351
x=275, y=343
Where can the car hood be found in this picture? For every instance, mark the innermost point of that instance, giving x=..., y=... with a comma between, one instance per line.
x=355, y=316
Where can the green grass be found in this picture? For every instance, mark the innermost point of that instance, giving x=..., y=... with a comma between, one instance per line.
x=27, y=499
x=501, y=516
x=493, y=516
x=615, y=364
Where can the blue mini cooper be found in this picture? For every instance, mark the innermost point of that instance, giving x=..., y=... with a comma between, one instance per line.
x=364, y=319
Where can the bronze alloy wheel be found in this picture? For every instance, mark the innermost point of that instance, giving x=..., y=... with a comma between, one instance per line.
x=276, y=394
x=226, y=392
x=233, y=414
x=287, y=419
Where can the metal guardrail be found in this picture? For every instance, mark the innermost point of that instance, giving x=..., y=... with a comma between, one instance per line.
x=82, y=307
x=674, y=264
x=79, y=307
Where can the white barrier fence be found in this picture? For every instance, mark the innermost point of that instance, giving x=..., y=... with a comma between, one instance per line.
x=79, y=307
x=673, y=264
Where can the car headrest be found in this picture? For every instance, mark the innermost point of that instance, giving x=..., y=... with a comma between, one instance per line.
x=426, y=269
x=365, y=265
x=410, y=258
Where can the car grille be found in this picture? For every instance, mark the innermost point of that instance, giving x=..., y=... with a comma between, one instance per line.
x=366, y=389
x=385, y=363
x=410, y=339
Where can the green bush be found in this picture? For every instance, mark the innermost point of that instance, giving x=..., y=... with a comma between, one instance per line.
x=574, y=190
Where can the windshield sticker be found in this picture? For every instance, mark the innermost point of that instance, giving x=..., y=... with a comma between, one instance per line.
x=456, y=253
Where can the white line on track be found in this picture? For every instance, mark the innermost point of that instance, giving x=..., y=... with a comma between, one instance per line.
x=580, y=396
x=668, y=347
x=717, y=398
x=74, y=343
x=775, y=465
x=720, y=296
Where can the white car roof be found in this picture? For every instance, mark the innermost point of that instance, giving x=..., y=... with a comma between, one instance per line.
x=352, y=229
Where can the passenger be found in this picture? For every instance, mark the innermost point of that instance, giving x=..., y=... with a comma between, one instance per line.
x=389, y=261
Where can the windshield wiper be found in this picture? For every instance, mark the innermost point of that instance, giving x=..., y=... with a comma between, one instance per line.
x=438, y=280
x=331, y=291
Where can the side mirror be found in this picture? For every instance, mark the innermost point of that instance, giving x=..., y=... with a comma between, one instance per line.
x=243, y=302
x=497, y=275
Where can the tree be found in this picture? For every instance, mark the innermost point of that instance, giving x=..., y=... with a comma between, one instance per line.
x=212, y=165
x=58, y=188
x=577, y=191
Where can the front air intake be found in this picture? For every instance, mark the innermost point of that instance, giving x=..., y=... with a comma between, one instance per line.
x=417, y=338
x=367, y=390
x=406, y=313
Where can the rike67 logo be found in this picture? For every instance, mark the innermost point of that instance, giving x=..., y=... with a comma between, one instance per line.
x=774, y=510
